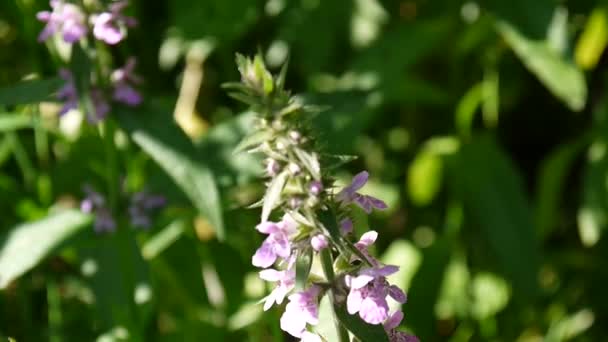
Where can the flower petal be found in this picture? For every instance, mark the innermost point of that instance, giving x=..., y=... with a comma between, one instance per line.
x=264, y=256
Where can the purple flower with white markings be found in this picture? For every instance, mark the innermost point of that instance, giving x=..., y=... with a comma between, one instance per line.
x=110, y=27
x=123, y=80
x=67, y=19
x=141, y=206
x=368, y=292
x=94, y=203
x=350, y=195
x=277, y=244
x=301, y=310
x=286, y=280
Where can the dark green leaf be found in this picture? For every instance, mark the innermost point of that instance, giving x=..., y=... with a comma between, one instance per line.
x=495, y=202
x=31, y=91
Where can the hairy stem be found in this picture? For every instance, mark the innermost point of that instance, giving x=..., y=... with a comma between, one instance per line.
x=328, y=269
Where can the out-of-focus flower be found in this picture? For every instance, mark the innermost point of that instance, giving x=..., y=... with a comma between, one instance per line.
x=302, y=309
x=67, y=93
x=123, y=79
x=285, y=280
x=397, y=336
x=277, y=243
x=94, y=203
x=141, y=205
x=110, y=27
x=350, y=195
x=319, y=242
x=346, y=226
x=67, y=19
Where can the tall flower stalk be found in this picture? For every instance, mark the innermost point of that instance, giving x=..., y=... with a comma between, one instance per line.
x=305, y=216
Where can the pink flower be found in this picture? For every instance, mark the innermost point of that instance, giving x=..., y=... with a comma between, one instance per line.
x=302, y=309
x=110, y=26
x=285, y=280
x=277, y=243
x=316, y=187
x=65, y=18
x=349, y=194
x=397, y=336
x=123, y=78
x=368, y=292
x=319, y=242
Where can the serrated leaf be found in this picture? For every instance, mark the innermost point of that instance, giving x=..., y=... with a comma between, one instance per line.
x=363, y=331
x=252, y=140
x=560, y=76
x=310, y=162
x=273, y=194
x=24, y=246
x=303, y=264
x=31, y=91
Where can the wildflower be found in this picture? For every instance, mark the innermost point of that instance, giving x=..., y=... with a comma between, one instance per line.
x=95, y=203
x=68, y=19
x=272, y=167
x=277, y=243
x=123, y=78
x=316, y=187
x=368, y=292
x=142, y=203
x=346, y=226
x=319, y=242
x=302, y=309
x=349, y=194
x=397, y=336
x=67, y=93
x=109, y=27
x=285, y=280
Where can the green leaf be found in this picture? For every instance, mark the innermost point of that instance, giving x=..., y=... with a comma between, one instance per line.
x=551, y=178
x=361, y=330
x=496, y=205
x=303, y=264
x=253, y=140
x=273, y=194
x=27, y=244
x=592, y=217
x=163, y=239
x=593, y=40
x=310, y=161
x=31, y=91
x=424, y=177
x=467, y=106
x=195, y=179
x=560, y=76
x=11, y=122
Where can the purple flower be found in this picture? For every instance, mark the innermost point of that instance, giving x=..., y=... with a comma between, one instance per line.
x=285, y=280
x=346, y=226
x=69, y=96
x=141, y=206
x=319, y=242
x=67, y=93
x=65, y=18
x=94, y=203
x=316, y=187
x=368, y=292
x=110, y=26
x=123, y=79
x=277, y=243
x=349, y=194
x=302, y=309
x=397, y=336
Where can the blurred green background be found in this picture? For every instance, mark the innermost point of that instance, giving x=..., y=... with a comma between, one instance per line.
x=483, y=125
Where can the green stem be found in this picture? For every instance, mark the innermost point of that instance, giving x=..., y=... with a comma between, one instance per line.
x=112, y=167
x=54, y=314
x=328, y=268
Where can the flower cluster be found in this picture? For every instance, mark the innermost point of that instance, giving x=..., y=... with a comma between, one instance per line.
x=109, y=26
x=316, y=218
x=142, y=205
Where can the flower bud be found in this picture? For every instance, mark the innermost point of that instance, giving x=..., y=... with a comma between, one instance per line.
x=272, y=167
x=319, y=242
x=294, y=168
x=316, y=187
x=295, y=136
